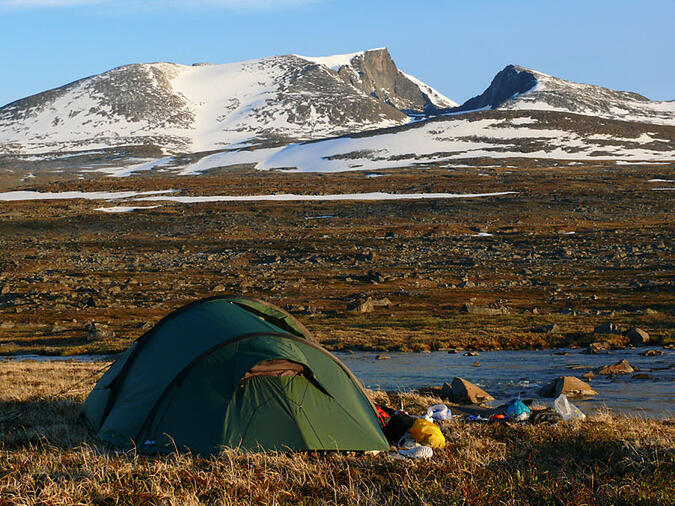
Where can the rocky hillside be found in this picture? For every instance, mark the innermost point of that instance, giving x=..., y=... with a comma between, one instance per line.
x=204, y=107
x=519, y=88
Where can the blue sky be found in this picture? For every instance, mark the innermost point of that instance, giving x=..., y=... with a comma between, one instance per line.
x=455, y=46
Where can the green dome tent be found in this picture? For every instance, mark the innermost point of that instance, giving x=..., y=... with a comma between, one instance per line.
x=231, y=373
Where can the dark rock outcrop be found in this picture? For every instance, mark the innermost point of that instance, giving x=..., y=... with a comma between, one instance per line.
x=511, y=81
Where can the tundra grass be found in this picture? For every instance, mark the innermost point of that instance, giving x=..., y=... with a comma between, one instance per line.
x=48, y=456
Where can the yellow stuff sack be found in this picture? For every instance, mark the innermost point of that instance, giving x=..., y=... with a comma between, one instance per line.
x=427, y=433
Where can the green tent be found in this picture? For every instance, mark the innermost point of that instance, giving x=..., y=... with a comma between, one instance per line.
x=231, y=373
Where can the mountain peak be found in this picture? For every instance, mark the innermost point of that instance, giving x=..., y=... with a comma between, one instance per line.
x=513, y=80
x=520, y=88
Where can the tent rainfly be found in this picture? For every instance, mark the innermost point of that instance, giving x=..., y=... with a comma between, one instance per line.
x=231, y=373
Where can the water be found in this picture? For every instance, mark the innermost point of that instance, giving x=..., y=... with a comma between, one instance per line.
x=509, y=374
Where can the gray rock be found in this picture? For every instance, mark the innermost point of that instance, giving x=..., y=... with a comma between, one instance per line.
x=607, y=328
x=547, y=329
x=464, y=391
x=471, y=308
x=98, y=331
x=621, y=367
x=598, y=347
x=568, y=385
x=637, y=336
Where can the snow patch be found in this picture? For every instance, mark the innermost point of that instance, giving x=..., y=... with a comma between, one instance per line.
x=14, y=196
x=123, y=209
x=290, y=197
x=333, y=62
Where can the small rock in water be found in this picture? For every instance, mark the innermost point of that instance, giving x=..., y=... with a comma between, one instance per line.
x=382, y=357
x=568, y=385
x=464, y=391
x=622, y=367
x=598, y=347
x=476, y=364
x=652, y=353
x=471, y=354
x=641, y=376
x=588, y=375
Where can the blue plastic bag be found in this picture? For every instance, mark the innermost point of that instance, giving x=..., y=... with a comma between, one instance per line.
x=517, y=411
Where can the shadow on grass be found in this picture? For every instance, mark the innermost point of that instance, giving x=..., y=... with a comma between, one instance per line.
x=57, y=422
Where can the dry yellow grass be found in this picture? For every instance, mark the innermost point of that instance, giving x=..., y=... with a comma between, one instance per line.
x=47, y=456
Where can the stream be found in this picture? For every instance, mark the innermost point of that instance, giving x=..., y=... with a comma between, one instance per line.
x=510, y=374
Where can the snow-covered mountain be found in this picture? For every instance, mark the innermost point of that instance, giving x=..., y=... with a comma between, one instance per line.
x=205, y=107
x=346, y=112
x=519, y=88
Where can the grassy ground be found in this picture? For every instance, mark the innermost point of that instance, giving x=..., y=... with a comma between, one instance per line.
x=47, y=456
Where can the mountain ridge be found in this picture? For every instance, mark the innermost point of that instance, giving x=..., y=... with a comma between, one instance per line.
x=192, y=108
x=354, y=111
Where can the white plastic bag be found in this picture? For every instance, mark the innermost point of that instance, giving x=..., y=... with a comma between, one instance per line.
x=567, y=410
x=417, y=452
x=438, y=412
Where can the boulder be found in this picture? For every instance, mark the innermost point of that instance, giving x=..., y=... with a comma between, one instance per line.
x=365, y=306
x=464, y=391
x=471, y=308
x=547, y=329
x=386, y=303
x=446, y=391
x=568, y=385
x=607, y=328
x=98, y=331
x=622, y=367
x=637, y=336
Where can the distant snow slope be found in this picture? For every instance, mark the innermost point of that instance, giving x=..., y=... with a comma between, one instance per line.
x=203, y=107
x=444, y=140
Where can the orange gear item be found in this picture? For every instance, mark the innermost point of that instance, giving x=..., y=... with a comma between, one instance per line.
x=427, y=433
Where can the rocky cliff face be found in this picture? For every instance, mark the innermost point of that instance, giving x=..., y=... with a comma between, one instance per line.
x=375, y=73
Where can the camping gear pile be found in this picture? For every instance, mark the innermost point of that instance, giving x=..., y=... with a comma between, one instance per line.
x=414, y=436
